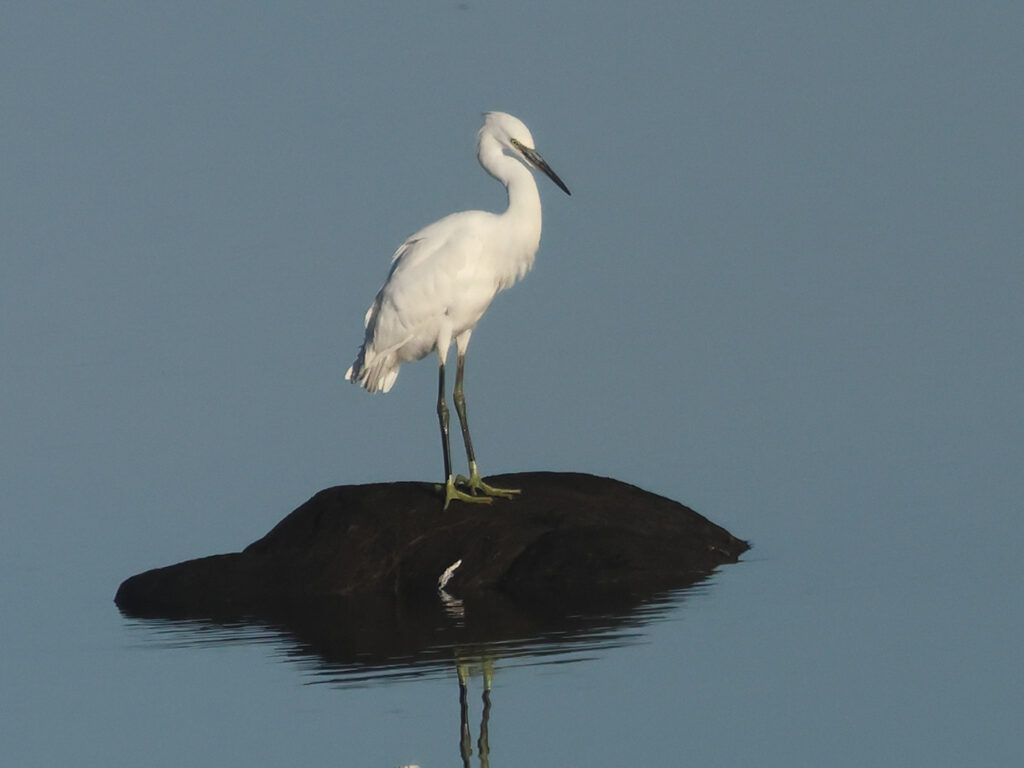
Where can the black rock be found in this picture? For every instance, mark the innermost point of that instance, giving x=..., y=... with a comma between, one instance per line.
x=567, y=540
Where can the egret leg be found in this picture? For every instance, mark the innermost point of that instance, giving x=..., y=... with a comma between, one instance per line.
x=475, y=483
x=451, y=492
x=442, y=417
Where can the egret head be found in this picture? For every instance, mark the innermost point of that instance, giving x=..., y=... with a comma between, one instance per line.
x=506, y=128
x=514, y=137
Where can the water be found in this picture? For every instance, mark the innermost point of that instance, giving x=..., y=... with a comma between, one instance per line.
x=337, y=659
x=831, y=659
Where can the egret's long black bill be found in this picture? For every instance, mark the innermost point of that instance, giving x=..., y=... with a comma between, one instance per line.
x=538, y=162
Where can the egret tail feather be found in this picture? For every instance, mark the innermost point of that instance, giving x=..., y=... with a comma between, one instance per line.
x=376, y=374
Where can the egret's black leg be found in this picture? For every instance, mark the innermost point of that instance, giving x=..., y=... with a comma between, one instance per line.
x=442, y=417
x=475, y=483
x=451, y=492
x=460, y=407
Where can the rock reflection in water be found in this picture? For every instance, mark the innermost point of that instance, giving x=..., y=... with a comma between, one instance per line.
x=347, y=642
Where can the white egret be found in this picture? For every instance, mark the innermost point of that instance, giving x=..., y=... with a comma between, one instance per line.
x=443, y=278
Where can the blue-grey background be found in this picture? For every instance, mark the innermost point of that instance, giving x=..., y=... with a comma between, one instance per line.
x=787, y=291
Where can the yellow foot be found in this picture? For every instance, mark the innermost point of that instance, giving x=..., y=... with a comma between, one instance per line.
x=481, y=489
x=451, y=492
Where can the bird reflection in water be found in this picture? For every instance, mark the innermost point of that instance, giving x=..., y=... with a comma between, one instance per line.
x=468, y=667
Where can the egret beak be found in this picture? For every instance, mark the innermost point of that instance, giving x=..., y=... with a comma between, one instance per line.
x=533, y=158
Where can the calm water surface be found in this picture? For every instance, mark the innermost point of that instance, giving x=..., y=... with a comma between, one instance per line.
x=768, y=661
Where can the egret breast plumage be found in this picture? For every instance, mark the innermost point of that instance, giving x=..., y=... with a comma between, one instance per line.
x=444, y=277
